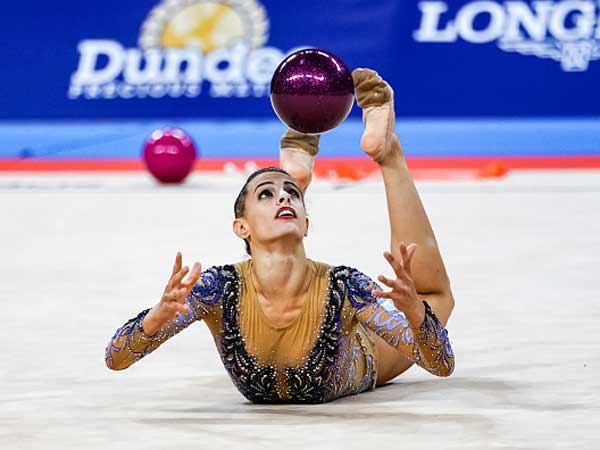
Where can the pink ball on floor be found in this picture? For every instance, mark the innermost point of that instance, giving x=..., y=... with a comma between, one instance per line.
x=169, y=155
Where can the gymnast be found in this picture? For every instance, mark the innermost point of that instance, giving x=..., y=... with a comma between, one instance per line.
x=292, y=330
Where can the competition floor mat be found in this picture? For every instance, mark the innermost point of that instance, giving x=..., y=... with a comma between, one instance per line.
x=84, y=252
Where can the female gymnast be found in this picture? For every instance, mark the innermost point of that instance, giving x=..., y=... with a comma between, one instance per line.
x=289, y=329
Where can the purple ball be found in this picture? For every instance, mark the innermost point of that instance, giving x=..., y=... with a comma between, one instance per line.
x=312, y=91
x=169, y=155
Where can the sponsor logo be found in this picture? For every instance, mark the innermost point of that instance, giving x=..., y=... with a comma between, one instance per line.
x=185, y=47
x=567, y=31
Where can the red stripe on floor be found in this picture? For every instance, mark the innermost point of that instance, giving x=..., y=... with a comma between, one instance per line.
x=352, y=168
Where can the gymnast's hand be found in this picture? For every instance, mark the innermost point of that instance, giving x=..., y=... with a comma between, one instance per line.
x=403, y=294
x=174, y=295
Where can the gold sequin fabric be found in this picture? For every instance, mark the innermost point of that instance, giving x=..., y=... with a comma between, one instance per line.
x=324, y=354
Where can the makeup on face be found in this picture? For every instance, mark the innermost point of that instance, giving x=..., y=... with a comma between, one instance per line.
x=264, y=189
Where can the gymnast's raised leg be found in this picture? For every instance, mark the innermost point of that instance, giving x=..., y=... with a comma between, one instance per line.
x=408, y=219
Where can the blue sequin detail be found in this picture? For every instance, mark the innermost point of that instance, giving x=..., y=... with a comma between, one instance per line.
x=360, y=288
x=391, y=325
x=210, y=288
x=126, y=330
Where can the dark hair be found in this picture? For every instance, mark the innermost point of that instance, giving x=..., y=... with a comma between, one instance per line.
x=239, y=207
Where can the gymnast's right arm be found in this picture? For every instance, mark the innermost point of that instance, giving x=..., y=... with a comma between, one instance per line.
x=149, y=329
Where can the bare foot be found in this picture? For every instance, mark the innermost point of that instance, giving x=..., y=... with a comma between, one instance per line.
x=297, y=156
x=376, y=98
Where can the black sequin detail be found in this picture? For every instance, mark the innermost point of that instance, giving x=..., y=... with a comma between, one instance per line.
x=257, y=383
x=313, y=382
x=310, y=383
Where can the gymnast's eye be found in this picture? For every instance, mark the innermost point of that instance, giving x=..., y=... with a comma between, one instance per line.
x=293, y=192
x=264, y=194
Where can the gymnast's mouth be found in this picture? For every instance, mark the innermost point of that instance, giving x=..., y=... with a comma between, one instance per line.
x=286, y=213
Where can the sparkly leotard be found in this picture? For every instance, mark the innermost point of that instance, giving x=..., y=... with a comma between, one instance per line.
x=324, y=354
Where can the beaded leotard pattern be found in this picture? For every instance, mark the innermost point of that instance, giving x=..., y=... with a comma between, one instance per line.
x=338, y=360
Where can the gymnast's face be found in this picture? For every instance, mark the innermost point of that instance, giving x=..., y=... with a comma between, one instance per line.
x=274, y=211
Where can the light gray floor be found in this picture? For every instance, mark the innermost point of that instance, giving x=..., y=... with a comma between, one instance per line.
x=82, y=254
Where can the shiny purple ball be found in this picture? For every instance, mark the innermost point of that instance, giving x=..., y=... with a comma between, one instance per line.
x=312, y=91
x=169, y=155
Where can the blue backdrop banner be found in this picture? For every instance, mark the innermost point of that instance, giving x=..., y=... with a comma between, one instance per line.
x=214, y=59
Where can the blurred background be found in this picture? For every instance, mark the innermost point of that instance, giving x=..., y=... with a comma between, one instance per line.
x=481, y=86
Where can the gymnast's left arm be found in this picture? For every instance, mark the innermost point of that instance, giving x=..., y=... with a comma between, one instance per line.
x=401, y=318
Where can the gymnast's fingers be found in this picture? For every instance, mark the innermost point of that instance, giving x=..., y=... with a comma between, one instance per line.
x=396, y=285
x=193, y=276
x=177, y=265
x=396, y=265
x=407, y=256
x=404, y=257
x=382, y=294
x=393, y=262
x=399, y=300
x=389, y=283
x=176, y=279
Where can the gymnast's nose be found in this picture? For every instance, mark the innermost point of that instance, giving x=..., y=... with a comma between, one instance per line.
x=284, y=196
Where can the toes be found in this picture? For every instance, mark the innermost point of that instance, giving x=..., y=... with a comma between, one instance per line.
x=371, y=89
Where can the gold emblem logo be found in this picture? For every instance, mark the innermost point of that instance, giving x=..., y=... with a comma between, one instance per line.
x=205, y=25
